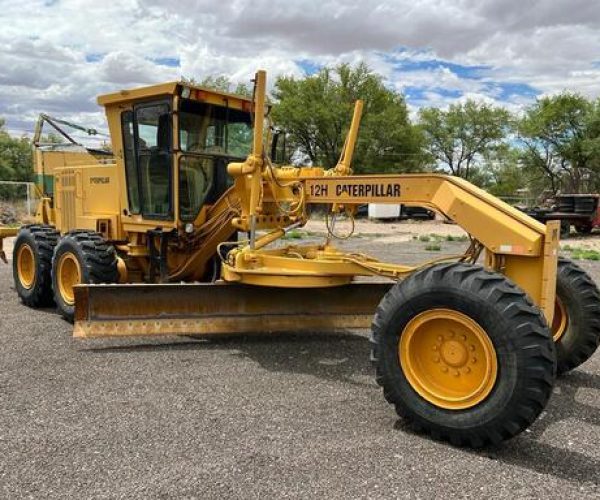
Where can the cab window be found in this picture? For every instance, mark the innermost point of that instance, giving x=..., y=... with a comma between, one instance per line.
x=196, y=178
x=215, y=130
x=153, y=157
x=209, y=137
x=131, y=175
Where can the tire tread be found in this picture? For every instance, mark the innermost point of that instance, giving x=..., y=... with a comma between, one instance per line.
x=535, y=345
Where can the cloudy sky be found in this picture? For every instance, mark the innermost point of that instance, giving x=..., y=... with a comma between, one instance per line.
x=57, y=55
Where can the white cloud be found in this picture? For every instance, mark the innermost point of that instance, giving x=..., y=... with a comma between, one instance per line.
x=57, y=56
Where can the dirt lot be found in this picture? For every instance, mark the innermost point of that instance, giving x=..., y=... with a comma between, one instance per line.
x=286, y=416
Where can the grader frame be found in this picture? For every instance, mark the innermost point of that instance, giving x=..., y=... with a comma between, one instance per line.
x=516, y=245
x=468, y=352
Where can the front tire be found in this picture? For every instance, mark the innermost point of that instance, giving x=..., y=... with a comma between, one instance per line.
x=80, y=257
x=576, y=324
x=32, y=262
x=463, y=354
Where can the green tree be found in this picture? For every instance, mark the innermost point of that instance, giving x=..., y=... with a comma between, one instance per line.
x=462, y=135
x=505, y=172
x=222, y=84
x=561, y=139
x=15, y=157
x=591, y=145
x=316, y=110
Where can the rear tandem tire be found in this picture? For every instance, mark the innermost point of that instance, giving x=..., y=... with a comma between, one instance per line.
x=471, y=323
x=80, y=257
x=32, y=261
x=576, y=326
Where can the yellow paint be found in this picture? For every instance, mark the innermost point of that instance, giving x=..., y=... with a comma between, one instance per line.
x=5, y=232
x=90, y=192
x=8, y=232
x=519, y=246
x=130, y=310
x=448, y=359
x=85, y=195
x=560, y=321
x=26, y=266
x=68, y=275
x=203, y=94
x=344, y=165
x=524, y=249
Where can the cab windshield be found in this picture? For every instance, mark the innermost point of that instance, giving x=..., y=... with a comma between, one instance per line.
x=214, y=130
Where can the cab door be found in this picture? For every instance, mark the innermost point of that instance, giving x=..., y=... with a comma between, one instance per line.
x=147, y=139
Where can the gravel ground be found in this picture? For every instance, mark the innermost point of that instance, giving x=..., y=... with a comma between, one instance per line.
x=284, y=416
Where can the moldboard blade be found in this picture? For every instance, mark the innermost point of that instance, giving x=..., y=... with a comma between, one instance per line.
x=199, y=308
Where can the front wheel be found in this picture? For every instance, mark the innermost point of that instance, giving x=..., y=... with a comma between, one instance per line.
x=80, y=257
x=463, y=354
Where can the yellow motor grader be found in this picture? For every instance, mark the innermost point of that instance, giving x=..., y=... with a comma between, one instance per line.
x=144, y=241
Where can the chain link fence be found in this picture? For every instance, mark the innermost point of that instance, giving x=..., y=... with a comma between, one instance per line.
x=18, y=202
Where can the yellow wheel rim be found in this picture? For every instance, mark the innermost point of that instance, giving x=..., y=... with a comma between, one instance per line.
x=448, y=359
x=559, y=323
x=26, y=266
x=69, y=275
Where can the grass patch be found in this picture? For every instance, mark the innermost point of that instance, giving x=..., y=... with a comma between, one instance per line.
x=438, y=238
x=582, y=254
x=433, y=247
x=462, y=237
x=567, y=248
x=293, y=235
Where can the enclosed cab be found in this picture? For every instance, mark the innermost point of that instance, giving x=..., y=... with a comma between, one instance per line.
x=172, y=143
x=152, y=210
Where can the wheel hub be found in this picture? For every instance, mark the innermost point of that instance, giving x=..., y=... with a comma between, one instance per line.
x=26, y=266
x=69, y=275
x=559, y=323
x=448, y=359
x=454, y=353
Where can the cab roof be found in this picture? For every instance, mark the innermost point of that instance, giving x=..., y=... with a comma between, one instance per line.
x=196, y=92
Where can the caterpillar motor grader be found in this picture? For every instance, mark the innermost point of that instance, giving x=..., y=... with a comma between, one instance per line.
x=144, y=241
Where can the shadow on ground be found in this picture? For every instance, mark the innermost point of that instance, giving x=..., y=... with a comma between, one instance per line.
x=344, y=357
x=530, y=451
x=335, y=357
